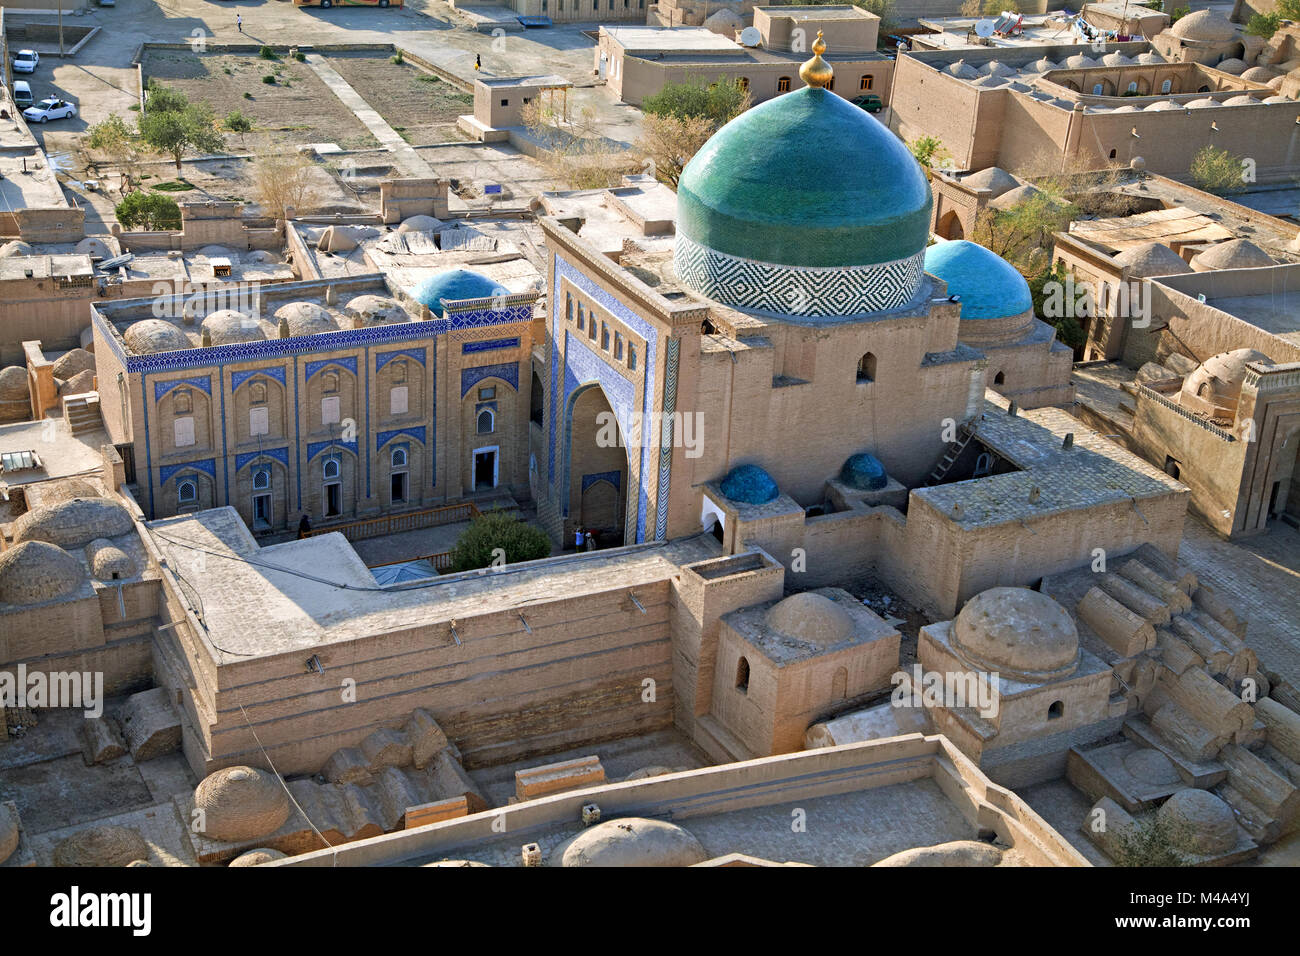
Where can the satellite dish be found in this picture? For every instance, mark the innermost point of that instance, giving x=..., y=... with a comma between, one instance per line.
x=750, y=37
x=984, y=28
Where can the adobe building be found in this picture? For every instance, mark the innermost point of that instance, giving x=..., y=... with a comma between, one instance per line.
x=334, y=398
x=1056, y=109
x=499, y=103
x=637, y=62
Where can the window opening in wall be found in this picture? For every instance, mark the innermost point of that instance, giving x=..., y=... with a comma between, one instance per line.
x=1056, y=710
x=742, y=675
x=867, y=368
x=187, y=492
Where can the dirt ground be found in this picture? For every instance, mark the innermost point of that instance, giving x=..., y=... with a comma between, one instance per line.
x=420, y=106
x=298, y=108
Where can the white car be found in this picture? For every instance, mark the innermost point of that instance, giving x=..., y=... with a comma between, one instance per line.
x=46, y=110
x=25, y=61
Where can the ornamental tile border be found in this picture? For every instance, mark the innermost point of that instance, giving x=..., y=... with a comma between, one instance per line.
x=383, y=358
x=279, y=454
x=162, y=388
x=416, y=432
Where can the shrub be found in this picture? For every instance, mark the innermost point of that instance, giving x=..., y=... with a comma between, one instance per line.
x=300, y=56
x=266, y=53
x=1264, y=24
x=718, y=102
x=397, y=58
x=149, y=211
x=269, y=79
x=495, y=530
x=247, y=95
x=1218, y=171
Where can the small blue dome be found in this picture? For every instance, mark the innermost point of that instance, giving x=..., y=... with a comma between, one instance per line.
x=750, y=485
x=453, y=285
x=864, y=472
x=989, y=286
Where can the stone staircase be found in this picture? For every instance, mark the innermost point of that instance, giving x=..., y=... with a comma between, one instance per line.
x=1194, y=688
x=82, y=413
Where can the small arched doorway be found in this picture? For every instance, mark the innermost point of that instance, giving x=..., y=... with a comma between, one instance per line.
x=596, y=496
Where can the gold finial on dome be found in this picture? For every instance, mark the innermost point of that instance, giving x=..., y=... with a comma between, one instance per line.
x=817, y=73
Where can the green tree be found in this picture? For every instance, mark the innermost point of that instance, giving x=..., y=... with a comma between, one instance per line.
x=496, y=533
x=1178, y=14
x=149, y=211
x=120, y=142
x=1218, y=171
x=1022, y=234
x=1154, y=841
x=718, y=102
x=237, y=122
x=172, y=125
x=670, y=142
x=928, y=151
x=1264, y=24
x=1068, y=329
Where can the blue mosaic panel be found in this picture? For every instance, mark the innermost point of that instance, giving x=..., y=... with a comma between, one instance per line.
x=239, y=378
x=316, y=447
x=482, y=318
x=491, y=345
x=204, y=383
x=348, y=362
x=279, y=454
x=383, y=358
x=167, y=472
x=615, y=478
x=383, y=438
x=797, y=290
x=666, y=439
x=606, y=375
x=507, y=372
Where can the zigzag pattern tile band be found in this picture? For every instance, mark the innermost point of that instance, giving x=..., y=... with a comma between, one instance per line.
x=793, y=290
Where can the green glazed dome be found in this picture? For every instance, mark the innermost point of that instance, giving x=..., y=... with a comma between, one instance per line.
x=806, y=179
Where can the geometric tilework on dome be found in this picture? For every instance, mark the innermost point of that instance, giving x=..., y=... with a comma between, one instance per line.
x=383, y=358
x=490, y=345
x=316, y=447
x=279, y=454
x=162, y=388
x=383, y=438
x=811, y=292
x=348, y=362
x=239, y=378
x=208, y=465
x=509, y=371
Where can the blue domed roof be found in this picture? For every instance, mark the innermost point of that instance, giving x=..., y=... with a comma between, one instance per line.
x=453, y=285
x=806, y=179
x=750, y=485
x=989, y=286
x=864, y=472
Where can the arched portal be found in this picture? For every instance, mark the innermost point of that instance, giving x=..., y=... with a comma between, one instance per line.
x=950, y=226
x=598, y=468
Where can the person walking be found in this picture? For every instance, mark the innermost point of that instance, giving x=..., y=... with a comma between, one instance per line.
x=304, y=526
x=239, y=21
x=577, y=539
x=591, y=541
x=478, y=62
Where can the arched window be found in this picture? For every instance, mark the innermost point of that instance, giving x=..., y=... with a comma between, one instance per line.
x=1203, y=390
x=1098, y=89
x=783, y=85
x=486, y=422
x=631, y=357
x=604, y=336
x=867, y=368
x=1056, y=710
x=1112, y=154
x=742, y=675
x=1133, y=87
x=187, y=492
x=261, y=479
x=257, y=393
x=330, y=382
x=582, y=316
x=1000, y=378
x=399, y=371
x=183, y=402
x=331, y=468
x=568, y=306
x=1166, y=86
x=399, y=458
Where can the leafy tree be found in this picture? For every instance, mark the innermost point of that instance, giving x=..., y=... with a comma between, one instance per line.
x=1022, y=234
x=669, y=142
x=1217, y=171
x=120, y=142
x=496, y=532
x=284, y=182
x=718, y=102
x=149, y=211
x=929, y=152
x=237, y=122
x=172, y=125
x=1068, y=329
x=1178, y=14
x=1264, y=24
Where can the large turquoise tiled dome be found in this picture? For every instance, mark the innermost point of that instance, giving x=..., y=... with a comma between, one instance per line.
x=453, y=285
x=989, y=286
x=804, y=205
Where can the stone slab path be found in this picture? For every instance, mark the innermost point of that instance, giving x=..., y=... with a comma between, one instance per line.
x=403, y=154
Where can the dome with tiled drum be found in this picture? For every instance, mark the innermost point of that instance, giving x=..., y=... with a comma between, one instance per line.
x=455, y=285
x=804, y=205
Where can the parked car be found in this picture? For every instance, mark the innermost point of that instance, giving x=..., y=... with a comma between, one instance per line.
x=870, y=102
x=22, y=94
x=108, y=3
x=48, y=109
x=25, y=61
